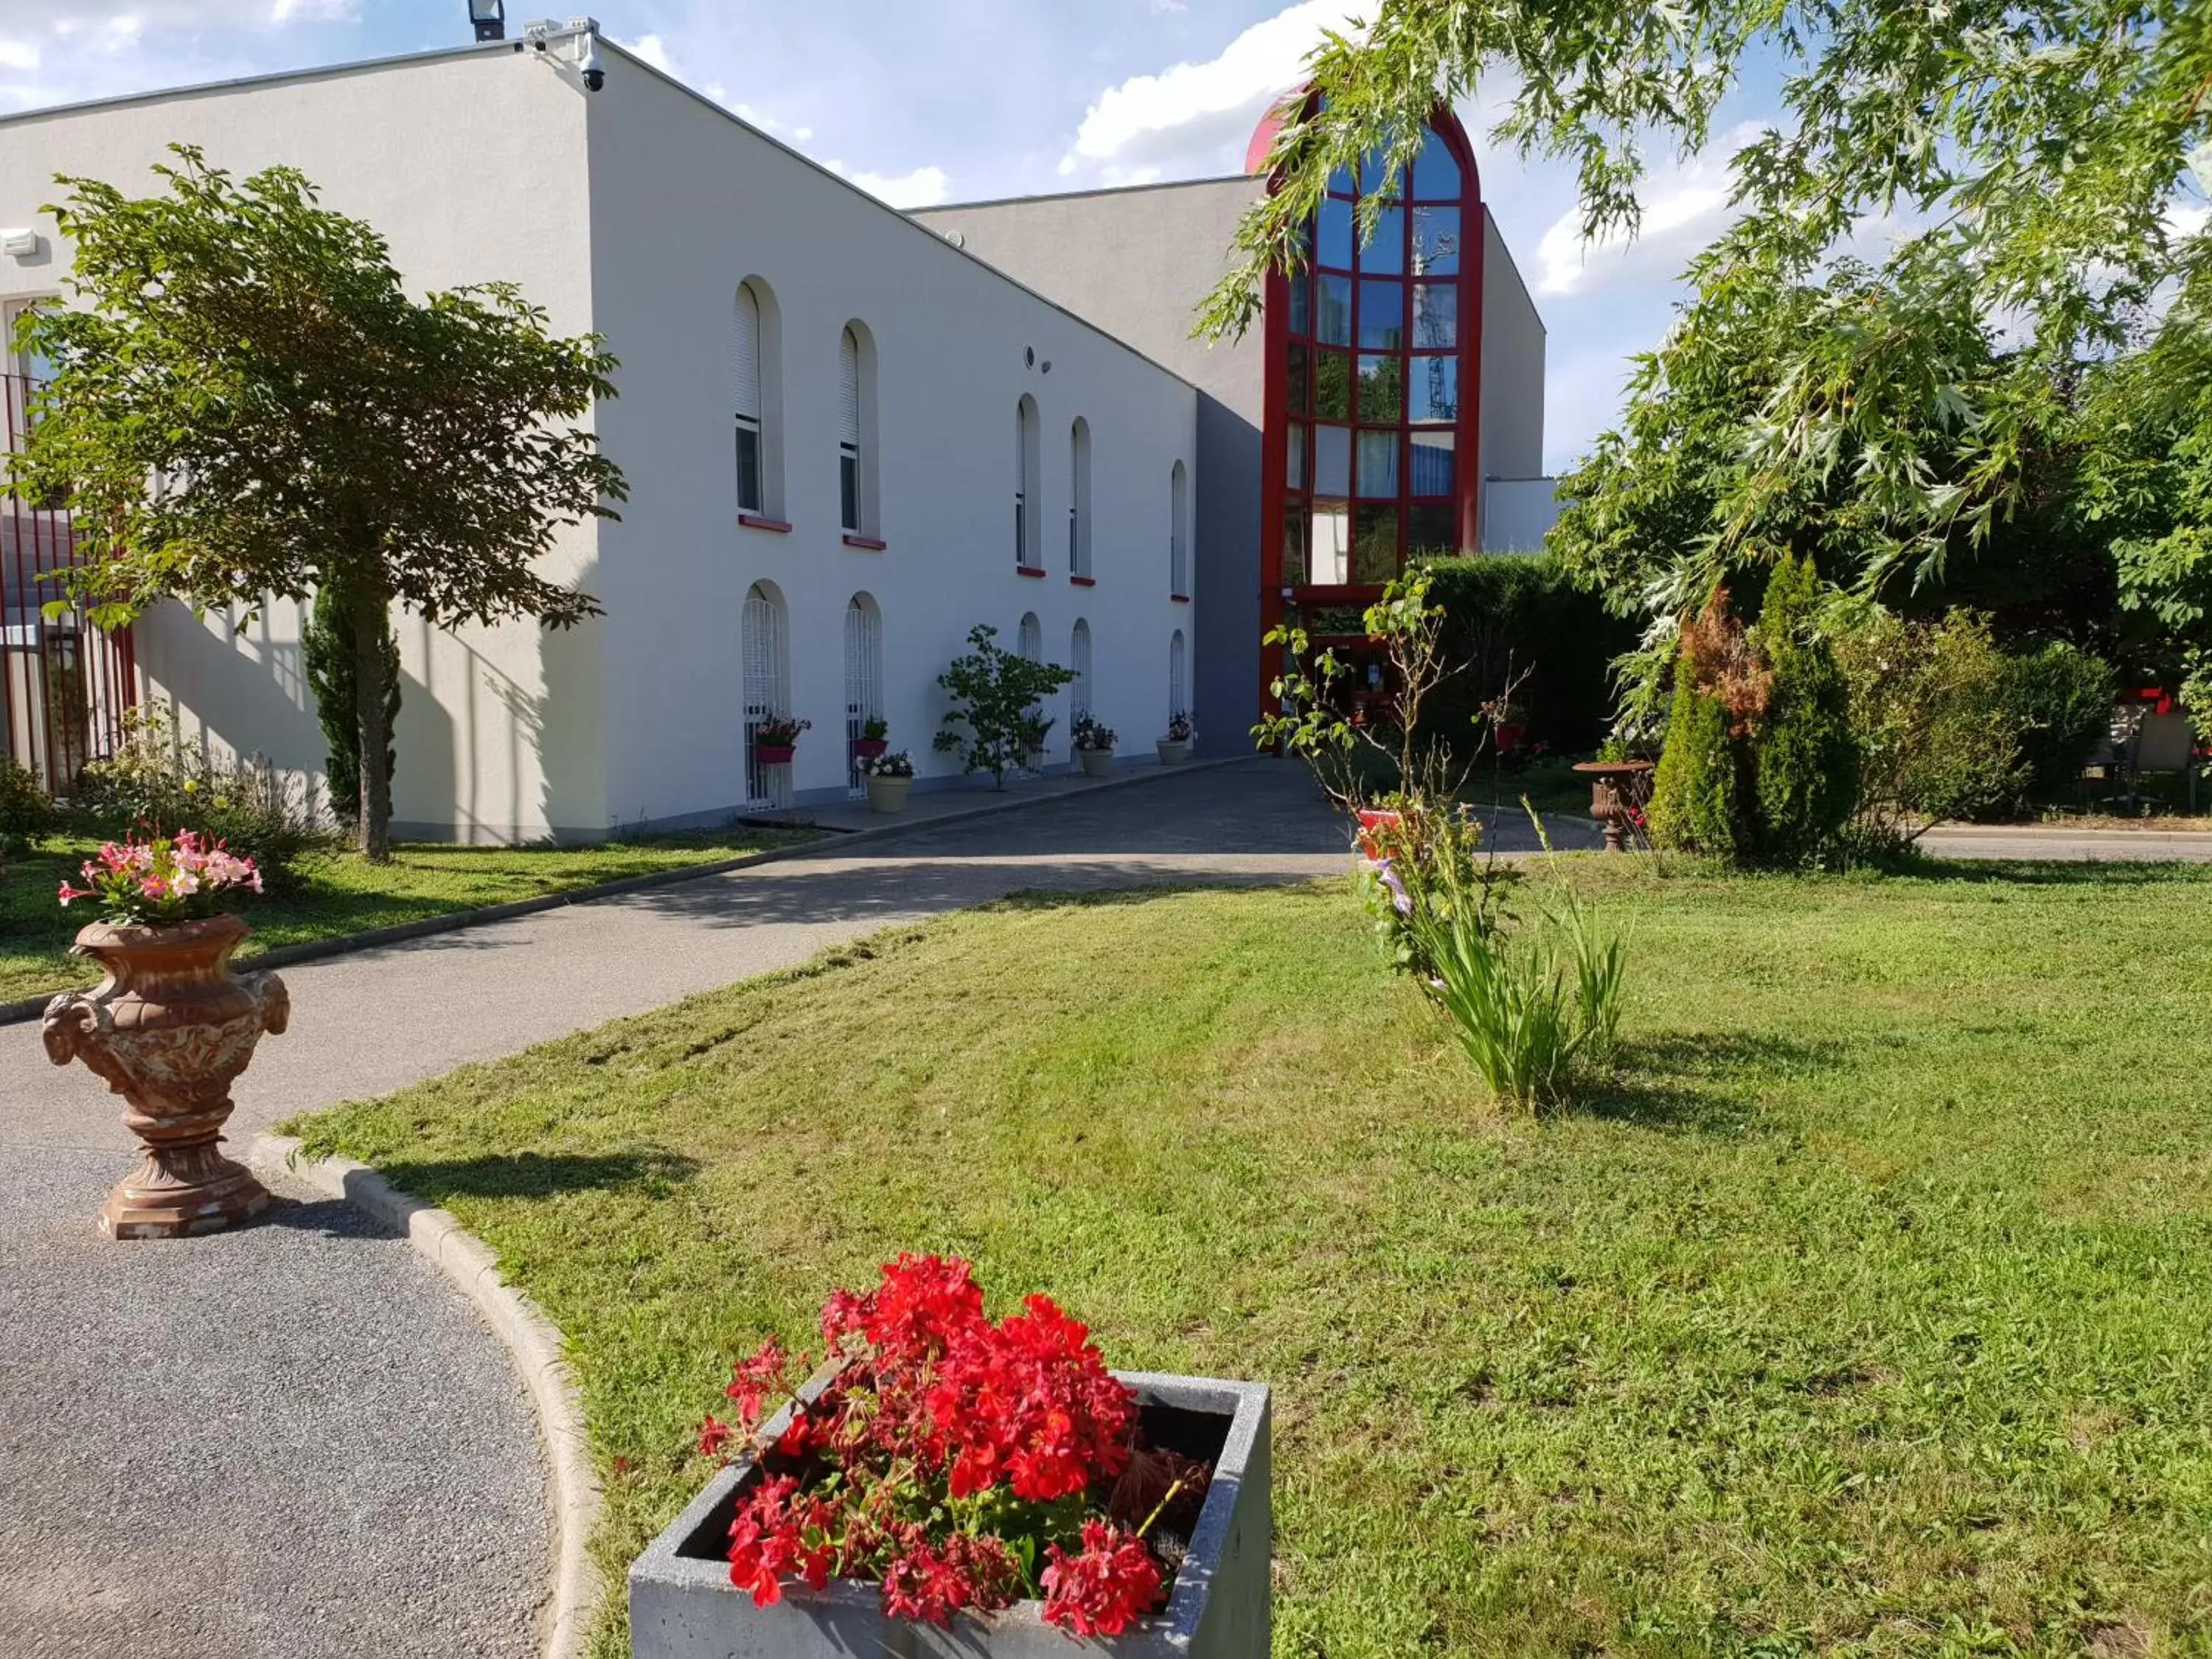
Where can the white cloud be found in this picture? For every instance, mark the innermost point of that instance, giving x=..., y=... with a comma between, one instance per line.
x=1198, y=118
x=18, y=54
x=649, y=47
x=923, y=187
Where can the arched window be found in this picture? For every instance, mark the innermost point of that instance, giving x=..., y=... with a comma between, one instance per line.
x=1179, y=532
x=1027, y=554
x=1029, y=638
x=851, y=455
x=1178, y=696
x=864, y=682
x=1374, y=444
x=767, y=690
x=1079, y=499
x=1078, y=659
x=757, y=400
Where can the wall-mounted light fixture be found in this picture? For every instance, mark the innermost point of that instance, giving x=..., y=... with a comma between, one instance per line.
x=19, y=244
x=490, y=19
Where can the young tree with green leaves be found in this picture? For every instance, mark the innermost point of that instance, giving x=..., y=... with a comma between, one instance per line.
x=309, y=426
x=995, y=695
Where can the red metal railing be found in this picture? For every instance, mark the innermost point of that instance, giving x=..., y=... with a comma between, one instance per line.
x=64, y=684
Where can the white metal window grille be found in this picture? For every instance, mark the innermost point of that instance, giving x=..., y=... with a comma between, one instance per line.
x=1029, y=639
x=1176, y=705
x=1025, y=557
x=864, y=682
x=1078, y=688
x=746, y=402
x=761, y=642
x=848, y=431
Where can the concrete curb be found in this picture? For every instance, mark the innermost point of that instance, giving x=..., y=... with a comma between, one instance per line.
x=532, y=1343
x=24, y=1008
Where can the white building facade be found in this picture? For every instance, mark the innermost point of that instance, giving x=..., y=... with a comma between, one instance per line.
x=847, y=441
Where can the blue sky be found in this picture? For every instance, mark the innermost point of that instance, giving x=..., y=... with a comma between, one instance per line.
x=957, y=100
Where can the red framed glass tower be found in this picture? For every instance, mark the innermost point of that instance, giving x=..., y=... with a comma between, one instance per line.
x=1374, y=367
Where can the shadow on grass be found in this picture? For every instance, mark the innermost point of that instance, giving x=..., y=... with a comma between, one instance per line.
x=1696, y=1082
x=651, y=1172
x=2131, y=872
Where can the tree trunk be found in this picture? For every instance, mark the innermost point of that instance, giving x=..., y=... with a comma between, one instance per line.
x=370, y=612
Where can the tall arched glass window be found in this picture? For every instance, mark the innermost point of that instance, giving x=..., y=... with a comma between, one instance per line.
x=1079, y=499
x=1028, y=554
x=849, y=431
x=1179, y=532
x=1178, y=670
x=1029, y=638
x=1372, y=356
x=756, y=400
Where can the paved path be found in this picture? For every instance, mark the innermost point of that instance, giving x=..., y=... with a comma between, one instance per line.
x=1973, y=841
x=364, y=1461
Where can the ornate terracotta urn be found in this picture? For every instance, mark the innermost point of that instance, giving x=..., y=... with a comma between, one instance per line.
x=1618, y=790
x=169, y=1029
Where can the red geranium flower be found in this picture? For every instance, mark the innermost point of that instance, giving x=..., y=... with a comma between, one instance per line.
x=1113, y=1582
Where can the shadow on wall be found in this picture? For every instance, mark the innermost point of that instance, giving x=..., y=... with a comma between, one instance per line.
x=1226, y=554
x=482, y=757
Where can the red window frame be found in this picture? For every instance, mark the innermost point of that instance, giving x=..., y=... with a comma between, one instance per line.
x=1279, y=496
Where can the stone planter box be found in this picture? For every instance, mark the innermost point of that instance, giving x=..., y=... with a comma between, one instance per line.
x=683, y=1605
x=1096, y=763
x=774, y=754
x=1173, y=753
x=888, y=794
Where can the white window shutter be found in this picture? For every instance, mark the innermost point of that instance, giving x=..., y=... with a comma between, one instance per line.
x=848, y=389
x=747, y=393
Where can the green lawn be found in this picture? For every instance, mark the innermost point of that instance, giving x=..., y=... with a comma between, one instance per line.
x=337, y=893
x=1866, y=1309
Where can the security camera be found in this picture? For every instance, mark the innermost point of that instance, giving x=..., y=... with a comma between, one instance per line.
x=595, y=77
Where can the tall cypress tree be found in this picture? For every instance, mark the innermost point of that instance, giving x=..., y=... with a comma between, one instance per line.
x=1695, y=805
x=327, y=645
x=1807, y=766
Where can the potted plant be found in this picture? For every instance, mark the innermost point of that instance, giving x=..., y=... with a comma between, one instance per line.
x=945, y=1484
x=890, y=777
x=776, y=739
x=1174, y=748
x=1036, y=730
x=874, y=738
x=1094, y=747
x=170, y=1027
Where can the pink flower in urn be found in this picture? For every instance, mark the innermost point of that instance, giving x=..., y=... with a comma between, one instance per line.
x=164, y=881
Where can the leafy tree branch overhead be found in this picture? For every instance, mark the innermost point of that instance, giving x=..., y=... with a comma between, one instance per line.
x=307, y=423
x=1966, y=221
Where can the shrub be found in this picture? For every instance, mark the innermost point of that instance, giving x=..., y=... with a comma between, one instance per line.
x=1806, y=768
x=1524, y=1003
x=1510, y=614
x=1697, y=792
x=154, y=786
x=2060, y=698
x=995, y=693
x=326, y=649
x=26, y=811
x=1929, y=718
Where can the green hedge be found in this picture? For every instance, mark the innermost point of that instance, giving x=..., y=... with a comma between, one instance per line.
x=1519, y=609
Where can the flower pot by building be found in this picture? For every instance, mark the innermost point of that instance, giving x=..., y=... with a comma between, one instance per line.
x=869, y=748
x=774, y=754
x=1096, y=763
x=1174, y=751
x=1037, y=760
x=888, y=794
x=684, y=1606
x=169, y=1029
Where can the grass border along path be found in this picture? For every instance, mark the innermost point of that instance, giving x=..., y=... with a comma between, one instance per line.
x=337, y=902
